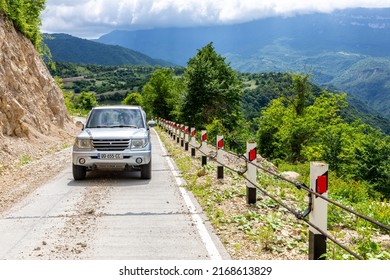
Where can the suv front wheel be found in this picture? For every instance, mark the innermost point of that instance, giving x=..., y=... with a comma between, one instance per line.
x=146, y=171
x=79, y=172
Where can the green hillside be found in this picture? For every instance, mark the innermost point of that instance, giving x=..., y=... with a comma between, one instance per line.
x=364, y=77
x=110, y=84
x=368, y=79
x=66, y=48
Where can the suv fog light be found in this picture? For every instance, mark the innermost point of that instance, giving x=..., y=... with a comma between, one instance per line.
x=82, y=160
x=138, y=160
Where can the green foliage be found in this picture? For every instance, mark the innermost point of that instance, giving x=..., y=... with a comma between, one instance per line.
x=134, y=98
x=161, y=94
x=373, y=161
x=85, y=102
x=261, y=88
x=25, y=15
x=317, y=132
x=213, y=91
x=298, y=93
x=69, y=102
x=25, y=159
x=235, y=140
x=68, y=96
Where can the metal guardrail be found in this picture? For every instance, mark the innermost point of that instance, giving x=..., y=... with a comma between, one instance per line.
x=178, y=132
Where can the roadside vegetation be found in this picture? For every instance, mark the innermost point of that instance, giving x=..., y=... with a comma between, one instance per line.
x=266, y=230
x=26, y=17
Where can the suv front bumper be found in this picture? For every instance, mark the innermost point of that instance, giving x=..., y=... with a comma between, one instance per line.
x=110, y=159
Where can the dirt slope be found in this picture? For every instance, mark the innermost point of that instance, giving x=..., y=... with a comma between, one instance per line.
x=33, y=117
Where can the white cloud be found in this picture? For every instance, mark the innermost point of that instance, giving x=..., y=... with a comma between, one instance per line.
x=92, y=18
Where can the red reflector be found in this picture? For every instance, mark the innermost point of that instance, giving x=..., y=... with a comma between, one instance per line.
x=193, y=133
x=186, y=130
x=204, y=137
x=220, y=144
x=322, y=184
x=252, y=154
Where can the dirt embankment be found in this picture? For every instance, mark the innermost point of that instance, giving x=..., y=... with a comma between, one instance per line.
x=34, y=122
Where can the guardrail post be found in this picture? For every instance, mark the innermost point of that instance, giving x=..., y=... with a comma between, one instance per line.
x=251, y=173
x=204, y=147
x=193, y=141
x=182, y=135
x=186, y=138
x=220, y=152
x=178, y=133
x=319, y=213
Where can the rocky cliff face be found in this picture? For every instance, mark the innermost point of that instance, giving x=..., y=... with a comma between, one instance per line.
x=31, y=104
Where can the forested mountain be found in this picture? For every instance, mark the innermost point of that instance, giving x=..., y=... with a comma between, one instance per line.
x=347, y=48
x=66, y=48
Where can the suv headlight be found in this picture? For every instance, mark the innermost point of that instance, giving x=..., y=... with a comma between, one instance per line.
x=139, y=143
x=84, y=144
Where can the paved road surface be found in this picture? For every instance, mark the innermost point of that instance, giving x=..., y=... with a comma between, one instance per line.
x=109, y=216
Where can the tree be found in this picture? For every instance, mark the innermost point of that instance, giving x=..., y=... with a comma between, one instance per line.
x=85, y=102
x=134, y=98
x=213, y=91
x=291, y=131
x=299, y=92
x=373, y=161
x=161, y=94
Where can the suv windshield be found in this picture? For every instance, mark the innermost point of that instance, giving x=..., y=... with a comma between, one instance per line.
x=115, y=118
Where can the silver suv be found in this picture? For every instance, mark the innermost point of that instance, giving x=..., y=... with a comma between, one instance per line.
x=113, y=138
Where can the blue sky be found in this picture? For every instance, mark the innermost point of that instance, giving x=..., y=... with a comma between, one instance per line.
x=93, y=18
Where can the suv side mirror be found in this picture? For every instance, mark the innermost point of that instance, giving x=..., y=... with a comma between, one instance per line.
x=80, y=125
x=151, y=123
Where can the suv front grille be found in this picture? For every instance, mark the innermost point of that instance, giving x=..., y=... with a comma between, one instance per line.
x=111, y=144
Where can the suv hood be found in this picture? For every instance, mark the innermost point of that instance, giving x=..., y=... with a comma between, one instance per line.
x=113, y=133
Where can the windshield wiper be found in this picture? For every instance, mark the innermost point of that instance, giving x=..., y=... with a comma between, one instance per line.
x=124, y=125
x=98, y=126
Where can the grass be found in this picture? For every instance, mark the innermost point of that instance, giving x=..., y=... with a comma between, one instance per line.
x=25, y=159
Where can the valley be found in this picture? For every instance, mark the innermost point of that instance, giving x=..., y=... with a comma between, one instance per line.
x=345, y=51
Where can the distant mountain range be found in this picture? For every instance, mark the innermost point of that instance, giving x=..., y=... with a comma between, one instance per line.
x=363, y=31
x=66, y=48
x=347, y=49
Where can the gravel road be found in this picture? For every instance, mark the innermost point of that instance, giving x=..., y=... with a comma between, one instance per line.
x=110, y=215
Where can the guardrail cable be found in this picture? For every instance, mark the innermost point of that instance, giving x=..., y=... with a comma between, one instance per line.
x=301, y=185
x=298, y=216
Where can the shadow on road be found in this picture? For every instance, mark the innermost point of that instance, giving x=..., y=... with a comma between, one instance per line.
x=114, y=178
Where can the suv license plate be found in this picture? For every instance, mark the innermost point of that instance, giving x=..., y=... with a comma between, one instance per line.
x=110, y=156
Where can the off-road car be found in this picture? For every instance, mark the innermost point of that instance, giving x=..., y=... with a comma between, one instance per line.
x=113, y=138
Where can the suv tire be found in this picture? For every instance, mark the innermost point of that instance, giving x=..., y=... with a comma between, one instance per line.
x=79, y=172
x=146, y=170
